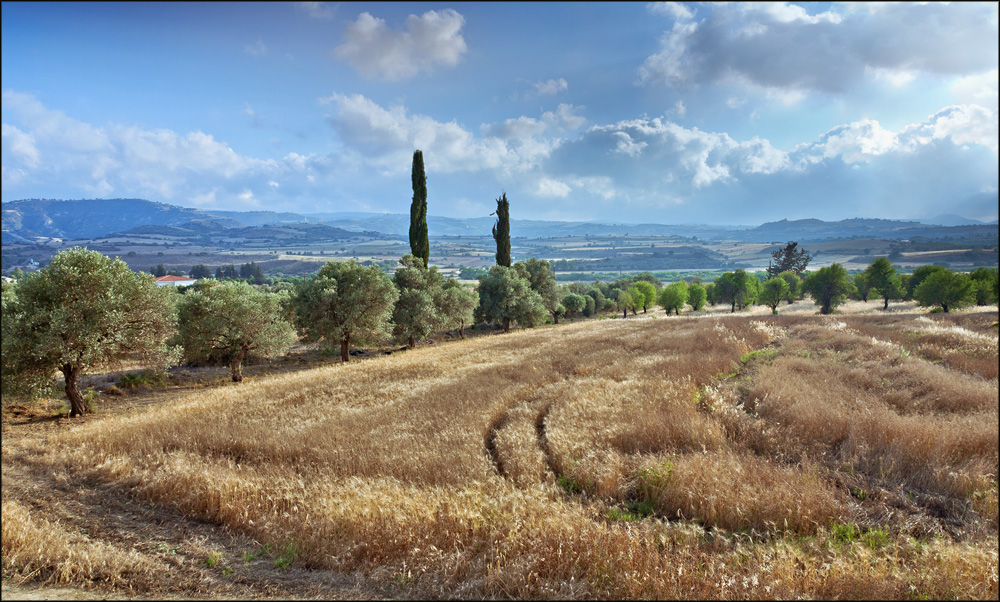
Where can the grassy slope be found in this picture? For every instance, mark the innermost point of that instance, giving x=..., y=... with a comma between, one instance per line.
x=797, y=455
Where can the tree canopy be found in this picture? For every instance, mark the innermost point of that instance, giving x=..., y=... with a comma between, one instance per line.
x=231, y=321
x=415, y=314
x=946, y=289
x=881, y=277
x=82, y=311
x=506, y=297
x=674, y=296
x=345, y=303
x=773, y=292
x=790, y=257
x=738, y=288
x=829, y=287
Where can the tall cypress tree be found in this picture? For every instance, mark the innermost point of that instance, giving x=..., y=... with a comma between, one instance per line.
x=420, y=246
x=501, y=231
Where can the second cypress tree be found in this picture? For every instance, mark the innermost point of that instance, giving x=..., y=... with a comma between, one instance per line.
x=501, y=231
x=419, y=243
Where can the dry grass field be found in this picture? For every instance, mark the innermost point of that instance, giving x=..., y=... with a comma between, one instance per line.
x=702, y=456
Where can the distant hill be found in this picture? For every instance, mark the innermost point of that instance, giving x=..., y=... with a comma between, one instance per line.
x=29, y=220
x=34, y=220
x=950, y=219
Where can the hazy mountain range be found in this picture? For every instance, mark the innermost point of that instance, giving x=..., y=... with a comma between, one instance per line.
x=39, y=219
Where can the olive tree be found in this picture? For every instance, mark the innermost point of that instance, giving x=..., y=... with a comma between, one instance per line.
x=345, y=303
x=946, y=289
x=542, y=280
x=794, y=285
x=230, y=322
x=456, y=306
x=415, y=314
x=881, y=277
x=83, y=311
x=674, y=296
x=696, y=296
x=506, y=297
x=773, y=291
x=574, y=303
x=648, y=291
x=829, y=287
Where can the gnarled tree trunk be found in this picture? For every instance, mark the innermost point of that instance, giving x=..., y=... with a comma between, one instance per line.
x=237, y=365
x=71, y=374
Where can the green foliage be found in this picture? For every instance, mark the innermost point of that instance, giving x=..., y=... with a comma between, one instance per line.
x=919, y=275
x=200, y=271
x=789, y=258
x=696, y=296
x=673, y=297
x=345, y=303
x=415, y=314
x=456, y=306
x=252, y=271
x=773, y=292
x=710, y=293
x=829, y=287
x=574, y=304
x=159, y=271
x=501, y=231
x=148, y=379
x=543, y=281
x=419, y=241
x=738, y=288
x=861, y=286
x=648, y=292
x=230, y=321
x=505, y=297
x=945, y=289
x=881, y=277
x=985, y=280
x=81, y=311
x=794, y=285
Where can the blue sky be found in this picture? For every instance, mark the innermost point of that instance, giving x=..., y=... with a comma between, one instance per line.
x=625, y=112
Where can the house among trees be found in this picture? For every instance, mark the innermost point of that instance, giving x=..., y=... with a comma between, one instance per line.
x=174, y=281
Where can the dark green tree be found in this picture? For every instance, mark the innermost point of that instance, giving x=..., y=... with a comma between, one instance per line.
x=985, y=280
x=345, y=303
x=773, y=292
x=82, y=311
x=696, y=296
x=232, y=321
x=919, y=275
x=882, y=278
x=794, y=285
x=419, y=243
x=861, y=286
x=788, y=258
x=501, y=231
x=200, y=271
x=416, y=314
x=159, y=270
x=539, y=274
x=738, y=288
x=673, y=297
x=505, y=297
x=946, y=289
x=456, y=306
x=829, y=287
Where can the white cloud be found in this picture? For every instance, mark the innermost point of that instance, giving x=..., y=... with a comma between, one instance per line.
x=551, y=86
x=318, y=10
x=553, y=188
x=679, y=109
x=674, y=10
x=256, y=49
x=565, y=117
x=784, y=49
x=980, y=89
x=627, y=146
x=377, y=52
x=20, y=145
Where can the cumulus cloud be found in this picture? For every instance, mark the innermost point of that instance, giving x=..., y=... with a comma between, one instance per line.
x=385, y=137
x=317, y=10
x=45, y=148
x=783, y=47
x=378, y=52
x=549, y=87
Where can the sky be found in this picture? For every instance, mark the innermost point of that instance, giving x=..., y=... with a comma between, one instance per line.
x=675, y=113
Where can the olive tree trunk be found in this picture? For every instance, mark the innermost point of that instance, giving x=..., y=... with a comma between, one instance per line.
x=345, y=349
x=71, y=374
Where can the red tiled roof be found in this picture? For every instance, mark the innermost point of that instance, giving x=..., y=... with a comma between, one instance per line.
x=175, y=279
